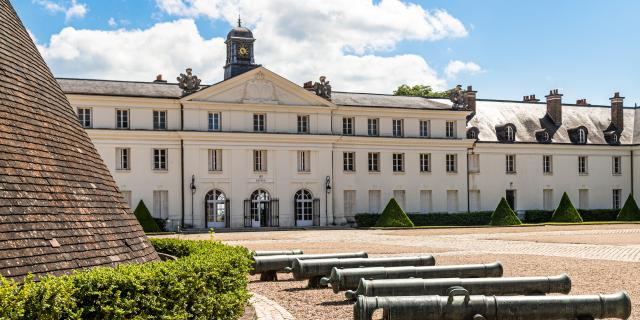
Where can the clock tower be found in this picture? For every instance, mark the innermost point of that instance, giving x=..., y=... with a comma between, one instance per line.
x=239, y=51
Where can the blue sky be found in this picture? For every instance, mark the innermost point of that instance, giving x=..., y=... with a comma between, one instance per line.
x=587, y=48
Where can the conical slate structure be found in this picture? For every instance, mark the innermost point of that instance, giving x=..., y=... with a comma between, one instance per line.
x=60, y=208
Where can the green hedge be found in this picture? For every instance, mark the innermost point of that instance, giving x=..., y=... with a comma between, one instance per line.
x=143, y=215
x=504, y=215
x=208, y=281
x=393, y=216
x=540, y=216
x=481, y=218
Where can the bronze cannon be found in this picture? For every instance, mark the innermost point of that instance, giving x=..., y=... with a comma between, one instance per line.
x=277, y=253
x=268, y=266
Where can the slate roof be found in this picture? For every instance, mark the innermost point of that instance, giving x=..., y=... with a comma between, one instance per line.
x=387, y=101
x=526, y=117
x=60, y=209
x=120, y=88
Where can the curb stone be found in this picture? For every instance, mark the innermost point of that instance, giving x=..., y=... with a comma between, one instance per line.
x=267, y=309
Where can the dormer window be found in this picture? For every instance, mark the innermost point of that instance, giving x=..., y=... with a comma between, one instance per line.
x=582, y=136
x=578, y=135
x=543, y=136
x=472, y=133
x=511, y=134
x=506, y=133
x=614, y=138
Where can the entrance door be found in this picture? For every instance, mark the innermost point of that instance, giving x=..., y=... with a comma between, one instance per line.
x=303, y=208
x=511, y=199
x=260, y=208
x=216, y=209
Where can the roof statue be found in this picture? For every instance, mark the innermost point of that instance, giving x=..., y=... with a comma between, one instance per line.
x=189, y=83
x=323, y=88
x=60, y=209
x=458, y=97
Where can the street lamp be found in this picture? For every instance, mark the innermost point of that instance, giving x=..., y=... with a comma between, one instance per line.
x=327, y=190
x=193, y=188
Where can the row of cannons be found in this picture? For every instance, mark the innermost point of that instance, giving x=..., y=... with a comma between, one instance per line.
x=414, y=288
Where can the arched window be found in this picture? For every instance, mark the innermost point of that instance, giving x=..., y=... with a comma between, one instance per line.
x=511, y=134
x=546, y=136
x=303, y=206
x=260, y=207
x=614, y=138
x=582, y=136
x=215, y=205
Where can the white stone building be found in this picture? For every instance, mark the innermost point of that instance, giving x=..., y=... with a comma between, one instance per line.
x=257, y=150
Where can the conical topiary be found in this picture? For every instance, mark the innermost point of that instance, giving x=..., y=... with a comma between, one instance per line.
x=630, y=210
x=145, y=218
x=566, y=212
x=504, y=215
x=393, y=216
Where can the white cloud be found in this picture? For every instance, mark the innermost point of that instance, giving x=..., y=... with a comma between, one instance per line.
x=71, y=9
x=76, y=10
x=299, y=40
x=455, y=67
x=112, y=22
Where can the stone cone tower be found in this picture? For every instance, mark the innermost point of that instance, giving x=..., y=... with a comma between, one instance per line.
x=60, y=209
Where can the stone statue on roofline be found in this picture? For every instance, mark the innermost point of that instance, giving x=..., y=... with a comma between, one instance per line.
x=323, y=88
x=458, y=97
x=189, y=83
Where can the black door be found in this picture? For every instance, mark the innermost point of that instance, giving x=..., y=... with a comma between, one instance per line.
x=511, y=199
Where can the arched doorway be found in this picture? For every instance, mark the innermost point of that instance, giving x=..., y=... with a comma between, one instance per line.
x=303, y=208
x=216, y=209
x=260, y=208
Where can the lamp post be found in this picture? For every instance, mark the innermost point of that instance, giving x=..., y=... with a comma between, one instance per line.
x=193, y=188
x=327, y=190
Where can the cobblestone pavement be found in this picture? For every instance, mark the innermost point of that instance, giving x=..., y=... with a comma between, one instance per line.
x=267, y=309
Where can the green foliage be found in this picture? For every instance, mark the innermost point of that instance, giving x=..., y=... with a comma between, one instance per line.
x=594, y=215
x=566, y=212
x=504, y=215
x=208, y=281
x=366, y=220
x=393, y=216
x=537, y=216
x=146, y=220
x=629, y=211
x=420, y=91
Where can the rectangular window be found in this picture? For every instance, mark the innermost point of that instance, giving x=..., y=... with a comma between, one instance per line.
x=161, y=204
x=399, y=195
x=425, y=201
x=260, y=160
x=452, y=163
x=349, y=161
x=398, y=162
x=213, y=121
x=347, y=126
x=215, y=160
x=349, y=203
x=122, y=119
x=510, y=163
x=583, y=165
x=159, y=159
x=259, y=122
x=372, y=127
x=304, y=161
x=303, y=124
x=450, y=129
x=374, y=201
x=474, y=163
x=616, y=164
x=547, y=164
x=85, y=116
x=425, y=128
x=159, y=119
x=452, y=201
x=547, y=199
x=474, y=200
x=617, y=199
x=397, y=126
x=425, y=162
x=122, y=159
x=583, y=199
x=374, y=161
x=127, y=197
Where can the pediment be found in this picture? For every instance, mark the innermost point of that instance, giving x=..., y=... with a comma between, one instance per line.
x=258, y=86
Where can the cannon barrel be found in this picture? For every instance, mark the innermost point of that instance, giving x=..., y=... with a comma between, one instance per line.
x=348, y=279
x=262, y=264
x=314, y=269
x=277, y=253
x=477, y=286
x=475, y=307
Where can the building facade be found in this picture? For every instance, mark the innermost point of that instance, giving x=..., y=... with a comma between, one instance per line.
x=257, y=150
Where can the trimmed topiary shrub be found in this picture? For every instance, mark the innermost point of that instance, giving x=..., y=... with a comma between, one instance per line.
x=630, y=210
x=146, y=220
x=393, y=216
x=504, y=215
x=208, y=281
x=566, y=212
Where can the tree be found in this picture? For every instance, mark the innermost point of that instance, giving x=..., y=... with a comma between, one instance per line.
x=420, y=91
x=504, y=215
x=393, y=216
x=144, y=217
x=566, y=212
x=629, y=211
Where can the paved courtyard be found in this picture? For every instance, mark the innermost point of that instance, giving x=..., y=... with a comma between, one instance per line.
x=599, y=258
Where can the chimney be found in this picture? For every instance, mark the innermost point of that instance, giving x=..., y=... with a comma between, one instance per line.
x=470, y=96
x=530, y=98
x=582, y=102
x=617, y=111
x=308, y=85
x=159, y=79
x=554, y=106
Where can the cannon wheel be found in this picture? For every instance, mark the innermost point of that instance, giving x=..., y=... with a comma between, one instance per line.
x=314, y=282
x=269, y=276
